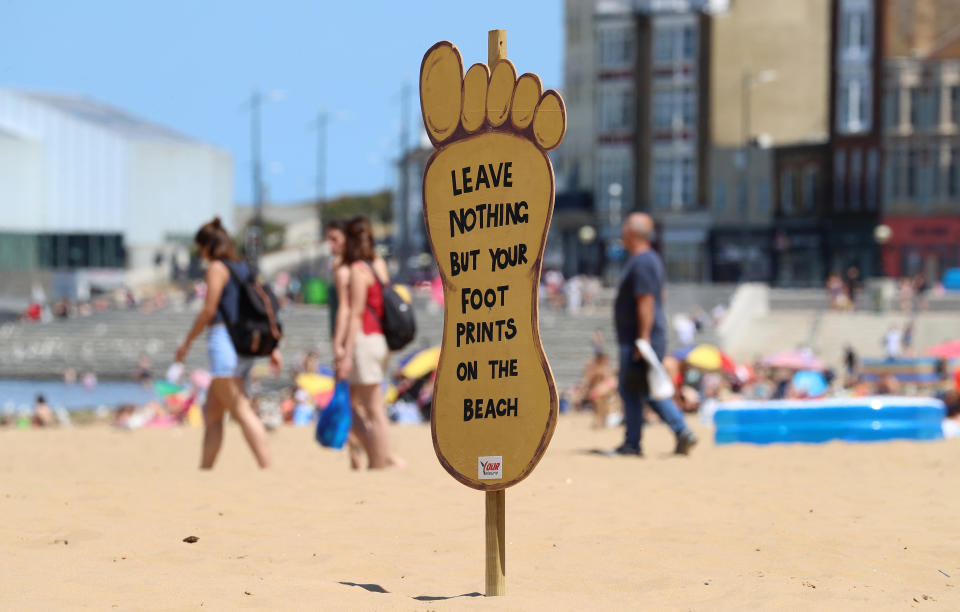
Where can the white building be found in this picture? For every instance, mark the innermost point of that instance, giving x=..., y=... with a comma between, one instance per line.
x=88, y=191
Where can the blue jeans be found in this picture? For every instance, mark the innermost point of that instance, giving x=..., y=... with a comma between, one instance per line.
x=633, y=405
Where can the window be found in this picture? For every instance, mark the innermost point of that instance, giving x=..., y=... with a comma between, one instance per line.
x=616, y=108
x=615, y=46
x=786, y=192
x=809, y=188
x=763, y=196
x=854, y=66
x=662, y=184
x=891, y=108
x=953, y=174
x=856, y=178
x=955, y=105
x=936, y=172
x=839, y=180
x=896, y=174
x=856, y=29
x=915, y=111
x=853, y=105
x=674, y=183
x=614, y=166
x=720, y=196
x=689, y=50
x=933, y=107
x=688, y=111
x=924, y=177
x=911, y=174
x=673, y=109
x=688, y=182
x=662, y=110
x=742, y=197
x=674, y=43
x=663, y=44
x=873, y=165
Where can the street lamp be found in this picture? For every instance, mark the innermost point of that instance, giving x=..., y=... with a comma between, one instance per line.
x=743, y=163
x=615, y=190
x=254, y=237
x=749, y=80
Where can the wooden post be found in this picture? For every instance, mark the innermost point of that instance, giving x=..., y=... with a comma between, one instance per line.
x=496, y=46
x=496, y=543
x=496, y=501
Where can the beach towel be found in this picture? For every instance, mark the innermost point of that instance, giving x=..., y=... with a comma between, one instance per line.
x=335, y=420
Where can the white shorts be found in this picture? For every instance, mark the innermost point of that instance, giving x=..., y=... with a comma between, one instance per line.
x=370, y=359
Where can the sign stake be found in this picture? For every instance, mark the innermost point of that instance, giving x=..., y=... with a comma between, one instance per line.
x=496, y=543
x=495, y=523
x=488, y=192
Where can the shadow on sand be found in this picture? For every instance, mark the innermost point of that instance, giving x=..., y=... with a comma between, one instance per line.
x=373, y=588
x=441, y=598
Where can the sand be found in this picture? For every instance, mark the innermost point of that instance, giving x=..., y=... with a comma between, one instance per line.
x=95, y=518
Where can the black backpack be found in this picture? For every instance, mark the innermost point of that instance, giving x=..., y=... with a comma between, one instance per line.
x=257, y=331
x=398, y=323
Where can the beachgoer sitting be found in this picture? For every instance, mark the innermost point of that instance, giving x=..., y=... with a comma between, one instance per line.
x=42, y=415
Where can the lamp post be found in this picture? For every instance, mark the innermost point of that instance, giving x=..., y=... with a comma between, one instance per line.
x=253, y=240
x=743, y=163
x=615, y=190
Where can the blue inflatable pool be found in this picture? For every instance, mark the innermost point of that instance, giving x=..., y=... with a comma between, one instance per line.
x=865, y=419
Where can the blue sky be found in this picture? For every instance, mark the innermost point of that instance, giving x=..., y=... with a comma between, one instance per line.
x=191, y=65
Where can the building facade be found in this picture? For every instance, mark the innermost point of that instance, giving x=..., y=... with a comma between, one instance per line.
x=84, y=186
x=854, y=165
x=688, y=107
x=921, y=139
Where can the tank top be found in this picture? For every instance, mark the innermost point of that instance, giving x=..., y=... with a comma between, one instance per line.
x=230, y=298
x=373, y=308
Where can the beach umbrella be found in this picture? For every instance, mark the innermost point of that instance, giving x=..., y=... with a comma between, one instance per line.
x=315, y=383
x=947, y=350
x=709, y=358
x=793, y=360
x=810, y=382
x=419, y=363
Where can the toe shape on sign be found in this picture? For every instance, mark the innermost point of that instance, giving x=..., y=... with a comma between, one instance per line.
x=475, y=85
x=441, y=91
x=526, y=96
x=500, y=92
x=550, y=121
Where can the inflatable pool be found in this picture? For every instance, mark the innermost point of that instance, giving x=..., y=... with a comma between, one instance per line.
x=865, y=419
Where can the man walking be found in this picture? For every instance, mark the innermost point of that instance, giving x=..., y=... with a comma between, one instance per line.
x=638, y=314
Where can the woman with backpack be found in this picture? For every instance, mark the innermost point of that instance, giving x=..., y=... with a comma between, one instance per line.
x=364, y=356
x=228, y=370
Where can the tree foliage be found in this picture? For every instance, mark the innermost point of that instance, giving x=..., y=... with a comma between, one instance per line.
x=375, y=206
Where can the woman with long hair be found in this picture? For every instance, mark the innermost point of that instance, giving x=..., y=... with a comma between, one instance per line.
x=338, y=295
x=365, y=355
x=229, y=371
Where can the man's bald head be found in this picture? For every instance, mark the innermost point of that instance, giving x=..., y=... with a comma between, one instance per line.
x=637, y=231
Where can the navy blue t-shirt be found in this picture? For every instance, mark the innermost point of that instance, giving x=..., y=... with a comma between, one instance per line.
x=642, y=275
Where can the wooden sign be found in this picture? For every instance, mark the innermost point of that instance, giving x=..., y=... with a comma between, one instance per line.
x=488, y=197
x=488, y=194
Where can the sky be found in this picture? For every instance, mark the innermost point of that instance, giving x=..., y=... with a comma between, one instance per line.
x=192, y=64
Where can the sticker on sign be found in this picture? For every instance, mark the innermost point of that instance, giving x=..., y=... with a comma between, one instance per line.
x=490, y=468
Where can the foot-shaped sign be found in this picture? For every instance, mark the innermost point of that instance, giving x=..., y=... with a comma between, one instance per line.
x=488, y=198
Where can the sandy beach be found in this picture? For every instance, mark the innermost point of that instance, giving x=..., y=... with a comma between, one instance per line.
x=95, y=518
